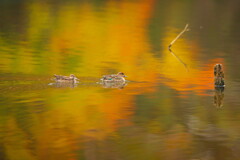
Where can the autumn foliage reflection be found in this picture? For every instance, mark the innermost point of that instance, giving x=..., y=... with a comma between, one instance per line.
x=89, y=43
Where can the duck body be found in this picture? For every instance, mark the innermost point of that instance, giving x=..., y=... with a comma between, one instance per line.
x=66, y=79
x=120, y=77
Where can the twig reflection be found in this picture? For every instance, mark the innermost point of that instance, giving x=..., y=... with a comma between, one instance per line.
x=184, y=64
x=218, y=97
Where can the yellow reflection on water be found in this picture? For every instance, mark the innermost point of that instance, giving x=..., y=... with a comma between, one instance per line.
x=75, y=38
x=183, y=71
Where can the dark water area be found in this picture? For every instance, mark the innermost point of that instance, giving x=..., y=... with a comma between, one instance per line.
x=167, y=110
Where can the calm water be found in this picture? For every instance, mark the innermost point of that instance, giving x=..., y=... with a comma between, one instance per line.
x=168, y=110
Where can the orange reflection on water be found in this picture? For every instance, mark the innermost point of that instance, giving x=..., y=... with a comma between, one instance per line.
x=192, y=77
x=87, y=42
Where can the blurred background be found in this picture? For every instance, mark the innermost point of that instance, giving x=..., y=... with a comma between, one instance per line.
x=168, y=110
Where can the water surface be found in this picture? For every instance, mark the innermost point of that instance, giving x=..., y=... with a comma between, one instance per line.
x=167, y=110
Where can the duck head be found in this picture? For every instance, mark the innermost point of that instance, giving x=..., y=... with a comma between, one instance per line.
x=121, y=74
x=73, y=77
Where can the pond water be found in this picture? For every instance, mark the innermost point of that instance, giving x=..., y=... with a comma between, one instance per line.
x=167, y=110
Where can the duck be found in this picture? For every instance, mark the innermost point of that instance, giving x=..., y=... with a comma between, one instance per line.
x=63, y=79
x=119, y=77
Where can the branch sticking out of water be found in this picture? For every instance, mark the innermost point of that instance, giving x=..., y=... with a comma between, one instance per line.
x=184, y=30
x=218, y=76
x=169, y=47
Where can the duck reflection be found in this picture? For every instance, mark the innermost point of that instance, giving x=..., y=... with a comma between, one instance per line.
x=64, y=84
x=218, y=97
x=119, y=85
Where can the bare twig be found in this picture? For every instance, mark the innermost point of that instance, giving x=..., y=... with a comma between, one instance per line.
x=184, y=30
x=169, y=47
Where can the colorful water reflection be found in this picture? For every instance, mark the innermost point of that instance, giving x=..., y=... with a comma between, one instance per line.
x=160, y=108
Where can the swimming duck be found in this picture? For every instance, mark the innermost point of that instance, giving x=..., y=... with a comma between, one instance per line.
x=114, y=77
x=71, y=78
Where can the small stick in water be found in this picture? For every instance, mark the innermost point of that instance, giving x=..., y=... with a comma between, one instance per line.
x=184, y=30
x=218, y=76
